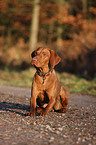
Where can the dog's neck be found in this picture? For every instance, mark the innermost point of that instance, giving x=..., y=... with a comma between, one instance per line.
x=44, y=72
x=45, y=69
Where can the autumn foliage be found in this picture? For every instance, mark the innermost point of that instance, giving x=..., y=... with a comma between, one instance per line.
x=66, y=28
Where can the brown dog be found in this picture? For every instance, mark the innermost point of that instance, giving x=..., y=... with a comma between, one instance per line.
x=47, y=91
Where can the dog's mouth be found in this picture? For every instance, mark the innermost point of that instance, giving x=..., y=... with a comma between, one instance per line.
x=34, y=60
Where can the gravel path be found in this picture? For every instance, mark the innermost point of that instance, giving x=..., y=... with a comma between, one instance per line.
x=76, y=127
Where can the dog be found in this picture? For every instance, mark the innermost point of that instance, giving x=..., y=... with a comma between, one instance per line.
x=46, y=92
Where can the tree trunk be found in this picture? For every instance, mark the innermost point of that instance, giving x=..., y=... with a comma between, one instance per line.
x=34, y=25
x=84, y=5
x=59, y=29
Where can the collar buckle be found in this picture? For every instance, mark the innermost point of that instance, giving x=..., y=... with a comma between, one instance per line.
x=42, y=74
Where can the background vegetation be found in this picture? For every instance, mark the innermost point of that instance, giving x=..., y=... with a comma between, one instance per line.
x=66, y=26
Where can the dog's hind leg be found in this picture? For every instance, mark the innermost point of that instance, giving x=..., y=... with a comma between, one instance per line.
x=64, y=95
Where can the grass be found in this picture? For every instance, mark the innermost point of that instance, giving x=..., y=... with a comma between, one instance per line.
x=76, y=84
x=72, y=83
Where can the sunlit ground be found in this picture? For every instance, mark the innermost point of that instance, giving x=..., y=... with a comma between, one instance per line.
x=72, y=83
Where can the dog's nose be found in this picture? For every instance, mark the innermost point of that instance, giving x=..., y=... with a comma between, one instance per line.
x=33, y=61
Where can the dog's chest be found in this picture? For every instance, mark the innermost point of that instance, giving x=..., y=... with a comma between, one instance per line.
x=42, y=82
x=42, y=86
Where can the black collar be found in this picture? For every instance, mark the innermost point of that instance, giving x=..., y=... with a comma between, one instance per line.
x=42, y=74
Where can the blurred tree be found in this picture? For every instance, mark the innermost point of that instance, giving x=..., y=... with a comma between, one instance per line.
x=84, y=6
x=59, y=29
x=70, y=24
x=34, y=24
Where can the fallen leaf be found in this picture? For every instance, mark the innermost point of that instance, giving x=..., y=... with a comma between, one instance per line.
x=6, y=138
x=34, y=123
x=75, y=86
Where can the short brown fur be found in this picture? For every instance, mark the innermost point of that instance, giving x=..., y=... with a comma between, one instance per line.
x=47, y=91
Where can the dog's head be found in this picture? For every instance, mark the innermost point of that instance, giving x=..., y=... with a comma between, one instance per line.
x=42, y=56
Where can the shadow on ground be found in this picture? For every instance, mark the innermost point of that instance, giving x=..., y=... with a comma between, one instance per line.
x=14, y=107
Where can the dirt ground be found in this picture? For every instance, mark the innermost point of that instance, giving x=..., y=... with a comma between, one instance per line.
x=75, y=127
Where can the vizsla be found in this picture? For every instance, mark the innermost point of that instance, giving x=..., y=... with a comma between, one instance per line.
x=47, y=91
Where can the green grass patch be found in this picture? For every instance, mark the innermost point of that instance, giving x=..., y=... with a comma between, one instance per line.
x=17, y=78
x=76, y=84
x=73, y=83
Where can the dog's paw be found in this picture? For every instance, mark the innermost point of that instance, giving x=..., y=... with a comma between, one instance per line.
x=63, y=110
x=43, y=113
x=30, y=114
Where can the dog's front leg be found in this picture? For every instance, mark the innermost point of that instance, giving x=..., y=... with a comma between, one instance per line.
x=33, y=103
x=49, y=107
x=32, y=106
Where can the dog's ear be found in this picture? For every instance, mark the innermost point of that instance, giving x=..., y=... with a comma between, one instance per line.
x=54, y=58
x=33, y=53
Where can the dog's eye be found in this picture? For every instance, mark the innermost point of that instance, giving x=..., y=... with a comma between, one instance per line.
x=44, y=53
